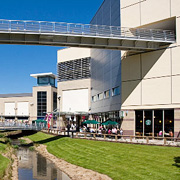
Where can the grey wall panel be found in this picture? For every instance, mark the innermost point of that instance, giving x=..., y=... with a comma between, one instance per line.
x=106, y=64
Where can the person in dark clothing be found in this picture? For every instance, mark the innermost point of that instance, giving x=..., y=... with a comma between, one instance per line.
x=68, y=128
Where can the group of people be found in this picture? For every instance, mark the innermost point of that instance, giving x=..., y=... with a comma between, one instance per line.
x=102, y=130
x=170, y=134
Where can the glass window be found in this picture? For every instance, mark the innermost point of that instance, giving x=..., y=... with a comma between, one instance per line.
x=115, y=91
x=148, y=123
x=43, y=80
x=100, y=96
x=52, y=81
x=54, y=100
x=41, y=103
x=169, y=122
x=158, y=122
x=107, y=94
x=139, y=123
x=94, y=98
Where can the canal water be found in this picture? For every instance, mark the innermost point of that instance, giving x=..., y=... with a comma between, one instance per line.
x=33, y=166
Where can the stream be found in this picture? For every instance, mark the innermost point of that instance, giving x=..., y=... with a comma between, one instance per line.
x=33, y=166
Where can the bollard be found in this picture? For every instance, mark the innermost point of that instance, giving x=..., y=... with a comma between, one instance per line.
x=147, y=140
x=165, y=141
x=130, y=138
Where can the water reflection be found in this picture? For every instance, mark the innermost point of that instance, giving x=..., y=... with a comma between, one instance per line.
x=33, y=166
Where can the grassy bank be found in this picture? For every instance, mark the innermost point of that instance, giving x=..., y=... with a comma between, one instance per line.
x=118, y=161
x=4, y=162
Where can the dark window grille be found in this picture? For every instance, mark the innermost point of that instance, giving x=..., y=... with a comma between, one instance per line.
x=74, y=69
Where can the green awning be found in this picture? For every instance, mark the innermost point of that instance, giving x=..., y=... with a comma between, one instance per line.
x=40, y=121
x=90, y=122
x=109, y=122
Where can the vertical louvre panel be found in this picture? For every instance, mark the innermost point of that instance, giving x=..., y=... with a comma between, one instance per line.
x=74, y=69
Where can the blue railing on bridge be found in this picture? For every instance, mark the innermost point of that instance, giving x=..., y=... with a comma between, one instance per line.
x=85, y=30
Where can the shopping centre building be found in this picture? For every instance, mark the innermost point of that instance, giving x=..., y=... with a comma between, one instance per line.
x=26, y=107
x=142, y=86
x=138, y=89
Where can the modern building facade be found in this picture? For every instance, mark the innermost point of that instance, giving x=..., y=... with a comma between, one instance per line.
x=106, y=68
x=74, y=84
x=146, y=83
x=139, y=90
x=150, y=81
x=30, y=106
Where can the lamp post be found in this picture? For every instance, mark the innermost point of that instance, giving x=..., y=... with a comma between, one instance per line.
x=59, y=98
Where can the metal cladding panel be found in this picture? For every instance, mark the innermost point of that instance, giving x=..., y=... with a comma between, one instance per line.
x=23, y=108
x=9, y=109
x=106, y=64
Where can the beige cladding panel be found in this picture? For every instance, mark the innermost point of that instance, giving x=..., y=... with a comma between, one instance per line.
x=131, y=93
x=175, y=89
x=128, y=125
x=125, y=3
x=175, y=61
x=130, y=17
x=156, y=91
x=175, y=8
x=128, y=122
x=72, y=54
x=156, y=64
x=154, y=10
x=130, y=68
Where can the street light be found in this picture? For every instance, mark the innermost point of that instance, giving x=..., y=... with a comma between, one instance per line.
x=59, y=98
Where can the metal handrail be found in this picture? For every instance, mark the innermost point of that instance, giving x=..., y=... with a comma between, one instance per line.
x=76, y=29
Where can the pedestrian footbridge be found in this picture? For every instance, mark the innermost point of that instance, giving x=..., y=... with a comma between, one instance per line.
x=19, y=126
x=83, y=35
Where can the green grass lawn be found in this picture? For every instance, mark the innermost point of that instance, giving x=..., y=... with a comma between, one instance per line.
x=118, y=161
x=4, y=162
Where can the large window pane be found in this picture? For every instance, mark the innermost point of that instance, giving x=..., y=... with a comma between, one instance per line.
x=41, y=103
x=169, y=122
x=139, y=122
x=148, y=123
x=158, y=122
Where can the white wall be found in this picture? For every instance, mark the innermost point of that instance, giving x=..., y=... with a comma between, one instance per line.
x=72, y=53
x=23, y=108
x=75, y=100
x=10, y=109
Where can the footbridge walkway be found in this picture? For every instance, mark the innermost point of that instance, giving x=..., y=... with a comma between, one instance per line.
x=19, y=126
x=83, y=35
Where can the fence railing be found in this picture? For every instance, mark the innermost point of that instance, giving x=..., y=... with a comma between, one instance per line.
x=117, y=137
x=20, y=126
x=86, y=30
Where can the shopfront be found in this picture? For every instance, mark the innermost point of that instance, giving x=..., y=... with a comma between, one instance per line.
x=159, y=122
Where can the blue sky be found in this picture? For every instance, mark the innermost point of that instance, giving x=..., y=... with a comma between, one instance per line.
x=17, y=62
